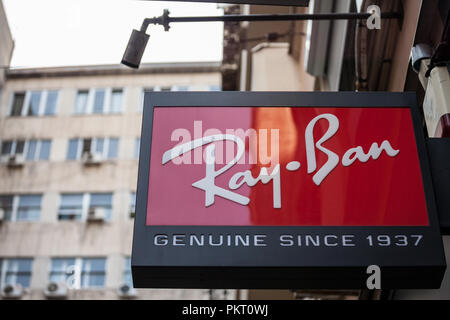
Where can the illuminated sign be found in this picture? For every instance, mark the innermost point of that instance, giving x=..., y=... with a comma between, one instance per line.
x=284, y=190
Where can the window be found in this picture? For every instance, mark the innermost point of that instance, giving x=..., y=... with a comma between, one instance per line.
x=34, y=103
x=101, y=200
x=75, y=206
x=33, y=150
x=79, y=273
x=16, y=271
x=113, y=148
x=50, y=104
x=72, y=151
x=108, y=148
x=6, y=204
x=38, y=150
x=116, y=100
x=93, y=273
x=71, y=207
x=7, y=147
x=137, y=146
x=17, y=103
x=10, y=148
x=99, y=101
x=62, y=270
x=29, y=208
x=81, y=102
x=25, y=207
x=127, y=278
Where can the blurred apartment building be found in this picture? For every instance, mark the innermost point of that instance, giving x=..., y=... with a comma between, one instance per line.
x=69, y=147
x=334, y=55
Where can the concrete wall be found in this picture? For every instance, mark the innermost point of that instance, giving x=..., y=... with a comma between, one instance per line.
x=49, y=237
x=6, y=44
x=273, y=69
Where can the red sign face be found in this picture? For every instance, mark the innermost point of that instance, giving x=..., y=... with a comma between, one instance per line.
x=284, y=166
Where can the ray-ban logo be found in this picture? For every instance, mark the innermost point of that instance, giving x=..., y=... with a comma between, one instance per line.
x=269, y=171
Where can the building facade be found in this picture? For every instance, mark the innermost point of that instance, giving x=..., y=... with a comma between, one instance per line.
x=69, y=149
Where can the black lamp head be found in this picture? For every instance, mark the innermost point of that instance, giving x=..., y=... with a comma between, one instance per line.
x=135, y=49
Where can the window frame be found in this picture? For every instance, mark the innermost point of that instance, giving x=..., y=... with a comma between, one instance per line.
x=106, y=106
x=77, y=273
x=93, y=148
x=26, y=146
x=26, y=103
x=4, y=270
x=86, y=205
x=15, y=207
x=65, y=274
x=82, y=272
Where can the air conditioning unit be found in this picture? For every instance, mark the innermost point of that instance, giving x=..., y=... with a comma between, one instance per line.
x=96, y=214
x=92, y=158
x=12, y=291
x=56, y=290
x=125, y=291
x=2, y=215
x=16, y=160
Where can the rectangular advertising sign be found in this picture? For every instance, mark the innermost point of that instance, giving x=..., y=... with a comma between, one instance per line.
x=284, y=190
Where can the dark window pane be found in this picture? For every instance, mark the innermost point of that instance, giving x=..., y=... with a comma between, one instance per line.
x=6, y=147
x=6, y=203
x=86, y=146
x=19, y=146
x=17, y=105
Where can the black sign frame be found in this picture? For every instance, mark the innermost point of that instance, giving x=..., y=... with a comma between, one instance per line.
x=275, y=267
